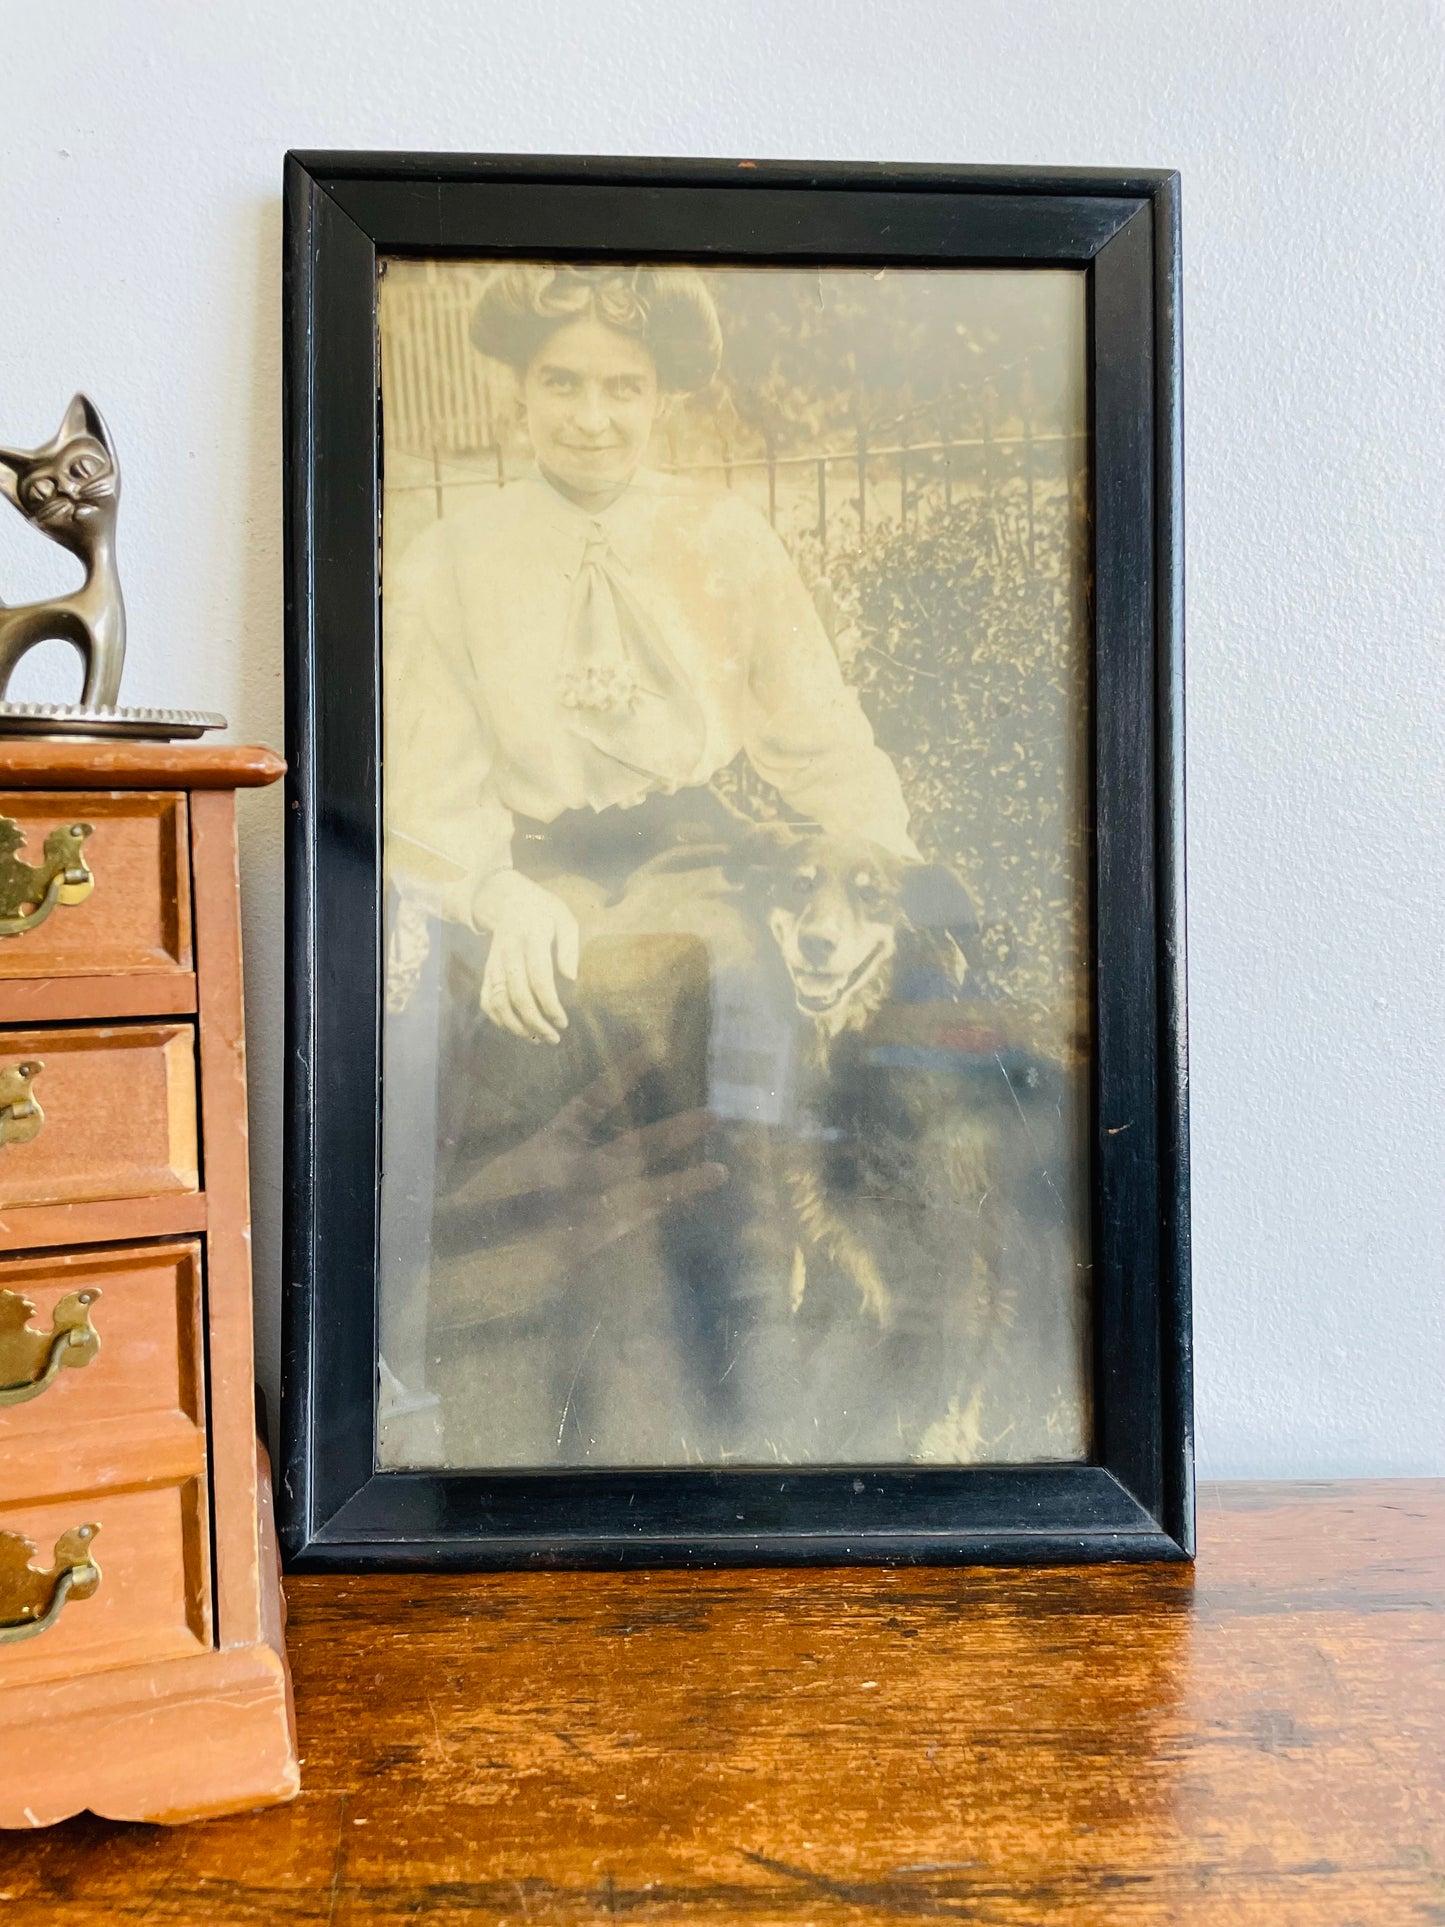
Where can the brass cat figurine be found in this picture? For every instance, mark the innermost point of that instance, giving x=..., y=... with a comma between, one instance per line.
x=70, y=489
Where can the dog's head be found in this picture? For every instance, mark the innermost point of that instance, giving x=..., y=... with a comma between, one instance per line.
x=840, y=910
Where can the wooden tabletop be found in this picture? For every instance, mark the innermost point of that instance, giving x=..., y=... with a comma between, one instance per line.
x=1259, y=1740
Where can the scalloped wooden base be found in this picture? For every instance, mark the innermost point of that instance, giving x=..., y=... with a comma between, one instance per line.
x=175, y=1740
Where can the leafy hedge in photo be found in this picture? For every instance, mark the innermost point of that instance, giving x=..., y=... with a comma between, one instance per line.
x=970, y=660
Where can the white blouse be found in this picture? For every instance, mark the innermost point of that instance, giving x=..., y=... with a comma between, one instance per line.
x=700, y=640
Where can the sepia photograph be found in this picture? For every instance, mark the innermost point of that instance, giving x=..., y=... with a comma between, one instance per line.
x=736, y=1056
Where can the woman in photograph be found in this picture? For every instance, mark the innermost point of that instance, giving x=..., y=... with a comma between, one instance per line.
x=596, y=634
x=570, y=659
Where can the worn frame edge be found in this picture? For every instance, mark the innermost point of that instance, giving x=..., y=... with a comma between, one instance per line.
x=293, y=1485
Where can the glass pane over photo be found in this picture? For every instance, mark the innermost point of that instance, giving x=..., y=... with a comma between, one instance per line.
x=735, y=759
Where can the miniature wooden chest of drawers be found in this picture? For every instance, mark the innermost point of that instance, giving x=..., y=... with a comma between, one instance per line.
x=142, y=1673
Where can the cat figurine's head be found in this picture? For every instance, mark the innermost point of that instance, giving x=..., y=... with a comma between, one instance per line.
x=70, y=486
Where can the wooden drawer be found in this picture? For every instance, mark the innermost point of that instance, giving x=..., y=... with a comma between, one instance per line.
x=138, y=916
x=128, y=1405
x=119, y=1104
x=154, y=1596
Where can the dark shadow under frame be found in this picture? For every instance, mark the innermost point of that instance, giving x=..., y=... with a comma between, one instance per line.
x=1135, y=1500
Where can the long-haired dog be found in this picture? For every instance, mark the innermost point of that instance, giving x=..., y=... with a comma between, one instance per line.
x=916, y=1169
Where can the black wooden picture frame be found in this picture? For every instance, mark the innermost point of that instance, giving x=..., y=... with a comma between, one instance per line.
x=1134, y=1500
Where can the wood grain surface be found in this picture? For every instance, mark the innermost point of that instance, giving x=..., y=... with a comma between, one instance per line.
x=137, y=766
x=240, y=1602
x=58, y=1000
x=134, y=1412
x=27, y=1227
x=1261, y=1740
x=154, y=1597
x=138, y=915
x=120, y=1115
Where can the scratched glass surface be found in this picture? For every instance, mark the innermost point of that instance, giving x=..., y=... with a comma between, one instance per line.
x=736, y=1048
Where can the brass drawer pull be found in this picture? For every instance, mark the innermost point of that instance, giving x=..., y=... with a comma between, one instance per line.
x=30, y=1600
x=20, y=1114
x=30, y=1360
x=62, y=877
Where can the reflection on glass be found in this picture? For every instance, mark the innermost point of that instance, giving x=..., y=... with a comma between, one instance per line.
x=736, y=1042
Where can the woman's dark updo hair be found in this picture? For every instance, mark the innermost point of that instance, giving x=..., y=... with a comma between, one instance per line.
x=668, y=310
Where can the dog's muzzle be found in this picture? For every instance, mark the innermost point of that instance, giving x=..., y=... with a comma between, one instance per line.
x=820, y=991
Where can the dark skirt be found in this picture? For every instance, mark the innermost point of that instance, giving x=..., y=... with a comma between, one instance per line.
x=574, y=1314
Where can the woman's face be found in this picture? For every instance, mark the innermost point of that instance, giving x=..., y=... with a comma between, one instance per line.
x=591, y=397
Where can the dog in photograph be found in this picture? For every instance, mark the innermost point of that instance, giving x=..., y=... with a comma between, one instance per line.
x=848, y=921
x=848, y=918
x=915, y=1172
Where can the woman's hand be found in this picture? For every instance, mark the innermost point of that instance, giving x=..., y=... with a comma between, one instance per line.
x=534, y=937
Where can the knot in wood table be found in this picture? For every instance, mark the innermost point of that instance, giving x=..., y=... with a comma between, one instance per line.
x=1259, y=1740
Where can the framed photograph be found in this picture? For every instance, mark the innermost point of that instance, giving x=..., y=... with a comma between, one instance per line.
x=737, y=1101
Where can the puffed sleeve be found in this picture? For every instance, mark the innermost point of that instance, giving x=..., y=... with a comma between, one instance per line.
x=805, y=730
x=445, y=830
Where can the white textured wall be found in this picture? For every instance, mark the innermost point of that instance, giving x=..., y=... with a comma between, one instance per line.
x=140, y=236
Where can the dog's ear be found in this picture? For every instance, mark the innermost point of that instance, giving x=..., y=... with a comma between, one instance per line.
x=762, y=847
x=937, y=898
x=937, y=901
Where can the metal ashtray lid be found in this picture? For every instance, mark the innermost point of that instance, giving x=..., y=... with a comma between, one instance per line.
x=68, y=722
